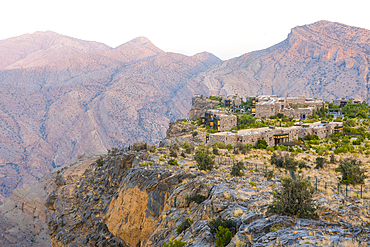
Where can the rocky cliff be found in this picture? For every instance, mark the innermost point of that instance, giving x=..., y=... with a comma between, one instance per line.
x=324, y=60
x=136, y=199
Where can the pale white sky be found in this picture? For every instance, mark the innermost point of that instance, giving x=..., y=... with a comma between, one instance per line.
x=224, y=28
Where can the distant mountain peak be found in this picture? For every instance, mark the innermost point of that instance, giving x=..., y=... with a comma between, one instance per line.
x=140, y=40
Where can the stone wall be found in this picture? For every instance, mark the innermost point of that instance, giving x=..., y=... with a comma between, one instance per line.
x=199, y=105
x=252, y=136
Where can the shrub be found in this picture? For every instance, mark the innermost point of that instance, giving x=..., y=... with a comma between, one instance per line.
x=184, y=225
x=236, y=169
x=295, y=199
x=196, y=198
x=138, y=146
x=224, y=236
x=332, y=159
x=310, y=137
x=173, y=162
x=229, y=147
x=204, y=160
x=183, y=155
x=173, y=153
x=99, y=162
x=225, y=223
x=352, y=173
x=253, y=183
x=161, y=159
x=153, y=149
x=194, y=134
x=276, y=227
x=175, y=243
x=215, y=151
x=320, y=161
x=269, y=174
x=262, y=144
x=146, y=163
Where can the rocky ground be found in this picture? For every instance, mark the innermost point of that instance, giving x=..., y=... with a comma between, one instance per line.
x=131, y=198
x=137, y=199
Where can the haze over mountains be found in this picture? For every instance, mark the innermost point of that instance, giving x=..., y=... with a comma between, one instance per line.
x=60, y=96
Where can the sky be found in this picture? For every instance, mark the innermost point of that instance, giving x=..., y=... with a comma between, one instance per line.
x=225, y=28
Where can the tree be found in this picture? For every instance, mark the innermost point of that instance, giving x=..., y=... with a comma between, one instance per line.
x=320, y=161
x=204, y=159
x=295, y=199
x=236, y=169
x=262, y=144
x=352, y=171
x=194, y=134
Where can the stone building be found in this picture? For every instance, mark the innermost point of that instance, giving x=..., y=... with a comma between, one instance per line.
x=276, y=135
x=232, y=101
x=199, y=105
x=293, y=107
x=219, y=120
x=342, y=102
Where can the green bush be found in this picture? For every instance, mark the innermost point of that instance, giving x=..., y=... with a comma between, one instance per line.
x=153, y=149
x=173, y=162
x=229, y=147
x=184, y=225
x=161, y=159
x=183, y=155
x=262, y=144
x=352, y=171
x=99, y=162
x=295, y=199
x=204, y=159
x=224, y=236
x=175, y=243
x=215, y=151
x=310, y=137
x=320, y=161
x=236, y=169
x=173, y=153
x=196, y=198
x=194, y=134
x=225, y=223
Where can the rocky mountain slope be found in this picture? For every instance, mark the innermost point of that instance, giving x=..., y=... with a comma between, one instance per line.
x=137, y=199
x=323, y=60
x=60, y=97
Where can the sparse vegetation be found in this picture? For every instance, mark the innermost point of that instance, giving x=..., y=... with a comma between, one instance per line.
x=184, y=225
x=196, y=198
x=225, y=223
x=295, y=199
x=352, y=171
x=224, y=236
x=204, y=159
x=236, y=169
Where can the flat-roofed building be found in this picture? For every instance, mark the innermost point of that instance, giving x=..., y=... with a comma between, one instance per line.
x=293, y=107
x=276, y=135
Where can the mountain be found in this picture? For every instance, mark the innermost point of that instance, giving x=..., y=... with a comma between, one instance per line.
x=325, y=60
x=60, y=97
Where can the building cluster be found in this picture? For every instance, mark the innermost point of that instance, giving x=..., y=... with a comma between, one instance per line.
x=292, y=107
x=219, y=120
x=276, y=135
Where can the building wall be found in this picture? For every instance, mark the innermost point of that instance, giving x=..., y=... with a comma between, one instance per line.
x=227, y=122
x=199, y=105
x=294, y=132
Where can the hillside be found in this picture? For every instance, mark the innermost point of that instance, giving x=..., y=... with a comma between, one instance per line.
x=135, y=198
x=91, y=98
x=324, y=60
